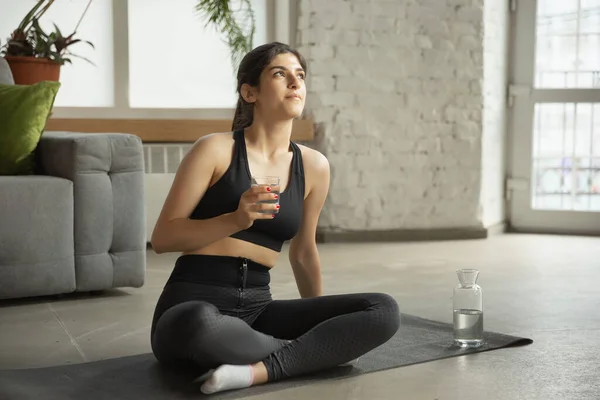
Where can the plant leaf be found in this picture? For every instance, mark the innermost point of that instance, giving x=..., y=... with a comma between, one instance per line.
x=82, y=58
x=223, y=18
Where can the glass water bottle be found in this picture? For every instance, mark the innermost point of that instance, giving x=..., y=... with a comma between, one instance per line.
x=468, y=310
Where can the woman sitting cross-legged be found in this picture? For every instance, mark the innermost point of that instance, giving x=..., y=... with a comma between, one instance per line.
x=216, y=311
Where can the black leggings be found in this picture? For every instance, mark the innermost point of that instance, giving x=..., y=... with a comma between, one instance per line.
x=218, y=310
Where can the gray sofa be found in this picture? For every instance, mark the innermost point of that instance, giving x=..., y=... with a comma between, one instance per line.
x=79, y=223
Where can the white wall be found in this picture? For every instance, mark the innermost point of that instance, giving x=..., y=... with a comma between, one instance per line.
x=161, y=162
x=495, y=57
x=397, y=90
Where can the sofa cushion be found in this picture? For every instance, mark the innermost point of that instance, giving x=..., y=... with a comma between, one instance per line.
x=36, y=236
x=24, y=110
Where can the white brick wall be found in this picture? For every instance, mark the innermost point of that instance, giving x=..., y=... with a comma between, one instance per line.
x=397, y=90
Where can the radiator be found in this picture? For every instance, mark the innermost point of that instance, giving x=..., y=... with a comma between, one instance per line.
x=161, y=163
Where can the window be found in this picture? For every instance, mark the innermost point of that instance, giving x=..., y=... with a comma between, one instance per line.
x=568, y=38
x=177, y=62
x=161, y=56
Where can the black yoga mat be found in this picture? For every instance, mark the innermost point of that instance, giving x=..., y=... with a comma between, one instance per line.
x=140, y=377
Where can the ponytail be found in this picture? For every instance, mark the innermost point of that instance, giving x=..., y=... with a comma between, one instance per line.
x=244, y=115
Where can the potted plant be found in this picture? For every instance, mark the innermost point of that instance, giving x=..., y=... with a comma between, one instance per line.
x=34, y=55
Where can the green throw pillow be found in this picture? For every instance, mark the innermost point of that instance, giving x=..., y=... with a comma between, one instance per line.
x=24, y=110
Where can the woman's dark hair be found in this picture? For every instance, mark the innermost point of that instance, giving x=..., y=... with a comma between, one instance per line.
x=249, y=72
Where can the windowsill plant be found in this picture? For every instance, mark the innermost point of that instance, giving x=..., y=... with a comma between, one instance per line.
x=35, y=55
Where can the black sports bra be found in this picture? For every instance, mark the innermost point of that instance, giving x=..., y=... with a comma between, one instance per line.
x=224, y=197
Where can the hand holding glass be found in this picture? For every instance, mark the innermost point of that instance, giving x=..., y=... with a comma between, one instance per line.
x=273, y=183
x=258, y=202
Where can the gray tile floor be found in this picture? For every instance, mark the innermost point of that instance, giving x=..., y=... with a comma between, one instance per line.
x=543, y=287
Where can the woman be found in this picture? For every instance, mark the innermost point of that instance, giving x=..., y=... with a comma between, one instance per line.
x=216, y=312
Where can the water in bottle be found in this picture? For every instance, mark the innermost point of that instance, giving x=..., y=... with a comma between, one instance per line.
x=468, y=310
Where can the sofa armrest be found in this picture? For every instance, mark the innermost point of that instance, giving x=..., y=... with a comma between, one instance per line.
x=107, y=171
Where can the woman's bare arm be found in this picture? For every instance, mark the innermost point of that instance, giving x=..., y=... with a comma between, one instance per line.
x=174, y=232
x=303, y=254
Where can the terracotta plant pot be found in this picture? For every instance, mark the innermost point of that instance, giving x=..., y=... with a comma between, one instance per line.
x=30, y=70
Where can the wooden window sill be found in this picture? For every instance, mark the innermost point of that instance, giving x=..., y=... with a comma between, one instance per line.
x=164, y=130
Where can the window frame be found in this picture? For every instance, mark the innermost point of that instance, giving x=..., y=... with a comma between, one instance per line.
x=281, y=16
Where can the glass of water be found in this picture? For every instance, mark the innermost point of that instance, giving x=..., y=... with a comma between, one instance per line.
x=273, y=182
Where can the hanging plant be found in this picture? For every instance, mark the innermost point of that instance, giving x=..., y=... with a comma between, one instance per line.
x=238, y=25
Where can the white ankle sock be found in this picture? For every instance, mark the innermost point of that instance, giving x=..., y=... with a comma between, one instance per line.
x=228, y=377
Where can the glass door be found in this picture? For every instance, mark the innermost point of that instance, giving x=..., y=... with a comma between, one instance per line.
x=553, y=180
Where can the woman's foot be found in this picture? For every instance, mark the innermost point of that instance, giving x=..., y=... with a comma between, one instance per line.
x=229, y=377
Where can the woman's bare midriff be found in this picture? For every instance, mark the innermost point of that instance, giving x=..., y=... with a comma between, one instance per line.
x=232, y=247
